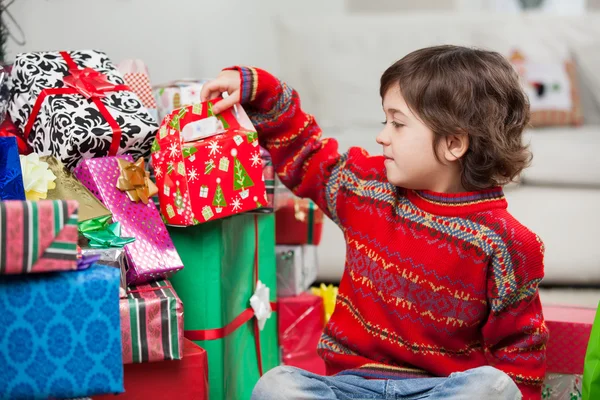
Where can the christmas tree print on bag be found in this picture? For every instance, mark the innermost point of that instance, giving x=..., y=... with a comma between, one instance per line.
x=241, y=179
x=208, y=178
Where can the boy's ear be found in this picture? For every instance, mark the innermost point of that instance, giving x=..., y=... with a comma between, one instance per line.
x=456, y=146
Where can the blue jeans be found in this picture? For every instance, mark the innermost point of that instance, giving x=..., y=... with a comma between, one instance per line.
x=289, y=383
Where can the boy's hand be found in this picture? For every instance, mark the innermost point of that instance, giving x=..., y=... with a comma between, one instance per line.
x=227, y=81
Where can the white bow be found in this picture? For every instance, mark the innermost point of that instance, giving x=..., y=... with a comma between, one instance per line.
x=260, y=304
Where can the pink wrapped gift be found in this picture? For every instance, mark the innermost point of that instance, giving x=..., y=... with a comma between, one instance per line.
x=152, y=256
x=569, y=329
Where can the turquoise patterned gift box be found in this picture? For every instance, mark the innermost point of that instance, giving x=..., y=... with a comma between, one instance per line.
x=60, y=334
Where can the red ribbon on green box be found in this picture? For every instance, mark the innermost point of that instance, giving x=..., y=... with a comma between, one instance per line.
x=241, y=319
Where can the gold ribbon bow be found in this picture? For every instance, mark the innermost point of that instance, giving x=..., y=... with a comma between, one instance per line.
x=135, y=180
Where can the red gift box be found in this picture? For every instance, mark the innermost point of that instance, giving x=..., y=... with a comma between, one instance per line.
x=9, y=129
x=182, y=379
x=300, y=326
x=298, y=221
x=214, y=177
x=569, y=329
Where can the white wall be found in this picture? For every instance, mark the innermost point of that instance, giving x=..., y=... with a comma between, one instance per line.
x=176, y=38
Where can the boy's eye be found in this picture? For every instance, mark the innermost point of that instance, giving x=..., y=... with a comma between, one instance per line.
x=394, y=124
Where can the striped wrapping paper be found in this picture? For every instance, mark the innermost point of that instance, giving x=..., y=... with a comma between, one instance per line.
x=151, y=323
x=38, y=236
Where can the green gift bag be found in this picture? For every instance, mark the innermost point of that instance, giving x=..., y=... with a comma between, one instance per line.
x=591, y=367
x=215, y=287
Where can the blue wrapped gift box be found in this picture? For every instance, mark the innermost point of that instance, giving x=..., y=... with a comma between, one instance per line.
x=60, y=334
x=11, y=178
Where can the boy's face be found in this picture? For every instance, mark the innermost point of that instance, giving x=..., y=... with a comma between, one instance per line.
x=407, y=146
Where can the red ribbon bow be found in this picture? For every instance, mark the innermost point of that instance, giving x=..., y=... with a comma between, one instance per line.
x=88, y=82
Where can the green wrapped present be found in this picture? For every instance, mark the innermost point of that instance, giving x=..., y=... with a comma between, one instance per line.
x=216, y=286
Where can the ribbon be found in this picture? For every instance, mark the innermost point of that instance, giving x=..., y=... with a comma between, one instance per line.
x=86, y=261
x=149, y=289
x=101, y=234
x=242, y=318
x=90, y=85
x=88, y=82
x=135, y=180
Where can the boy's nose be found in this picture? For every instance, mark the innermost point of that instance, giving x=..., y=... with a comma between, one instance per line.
x=382, y=138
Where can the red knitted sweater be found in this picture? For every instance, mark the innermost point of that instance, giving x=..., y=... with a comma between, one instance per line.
x=434, y=283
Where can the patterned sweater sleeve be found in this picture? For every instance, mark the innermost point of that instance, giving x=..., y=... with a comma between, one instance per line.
x=307, y=164
x=515, y=334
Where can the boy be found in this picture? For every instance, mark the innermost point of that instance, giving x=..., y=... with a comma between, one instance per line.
x=439, y=296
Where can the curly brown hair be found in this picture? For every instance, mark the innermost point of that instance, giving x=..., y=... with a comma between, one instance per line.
x=455, y=89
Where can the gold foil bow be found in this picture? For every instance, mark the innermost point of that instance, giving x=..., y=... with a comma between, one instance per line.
x=135, y=180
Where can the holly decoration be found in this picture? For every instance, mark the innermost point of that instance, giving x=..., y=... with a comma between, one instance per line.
x=210, y=113
x=241, y=179
x=251, y=136
x=219, y=199
x=188, y=151
x=179, y=200
x=155, y=146
x=176, y=121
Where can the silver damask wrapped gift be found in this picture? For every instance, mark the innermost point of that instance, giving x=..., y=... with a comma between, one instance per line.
x=75, y=105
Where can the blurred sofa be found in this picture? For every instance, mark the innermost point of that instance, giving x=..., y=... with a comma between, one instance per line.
x=335, y=63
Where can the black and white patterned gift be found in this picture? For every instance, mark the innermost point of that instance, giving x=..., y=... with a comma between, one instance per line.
x=75, y=105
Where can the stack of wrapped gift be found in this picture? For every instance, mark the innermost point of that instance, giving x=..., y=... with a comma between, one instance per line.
x=209, y=174
x=60, y=335
x=85, y=126
x=569, y=329
x=298, y=232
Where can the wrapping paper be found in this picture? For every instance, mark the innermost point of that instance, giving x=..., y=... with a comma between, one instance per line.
x=38, y=236
x=60, y=335
x=296, y=269
x=152, y=256
x=269, y=179
x=69, y=188
x=152, y=323
x=185, y=379
x=562, y=387
x=4, y=92
x=301, y=323
x=216, y=285
x=9, y=130
x=177, y=94
x=136, y=76
x=111, y=257
x=299, y=221
x=94, y=115
x=569, y=329
x=218, y=176
x=11, y=177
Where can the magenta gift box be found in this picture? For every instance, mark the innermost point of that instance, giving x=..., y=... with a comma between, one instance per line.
x=152, y=256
